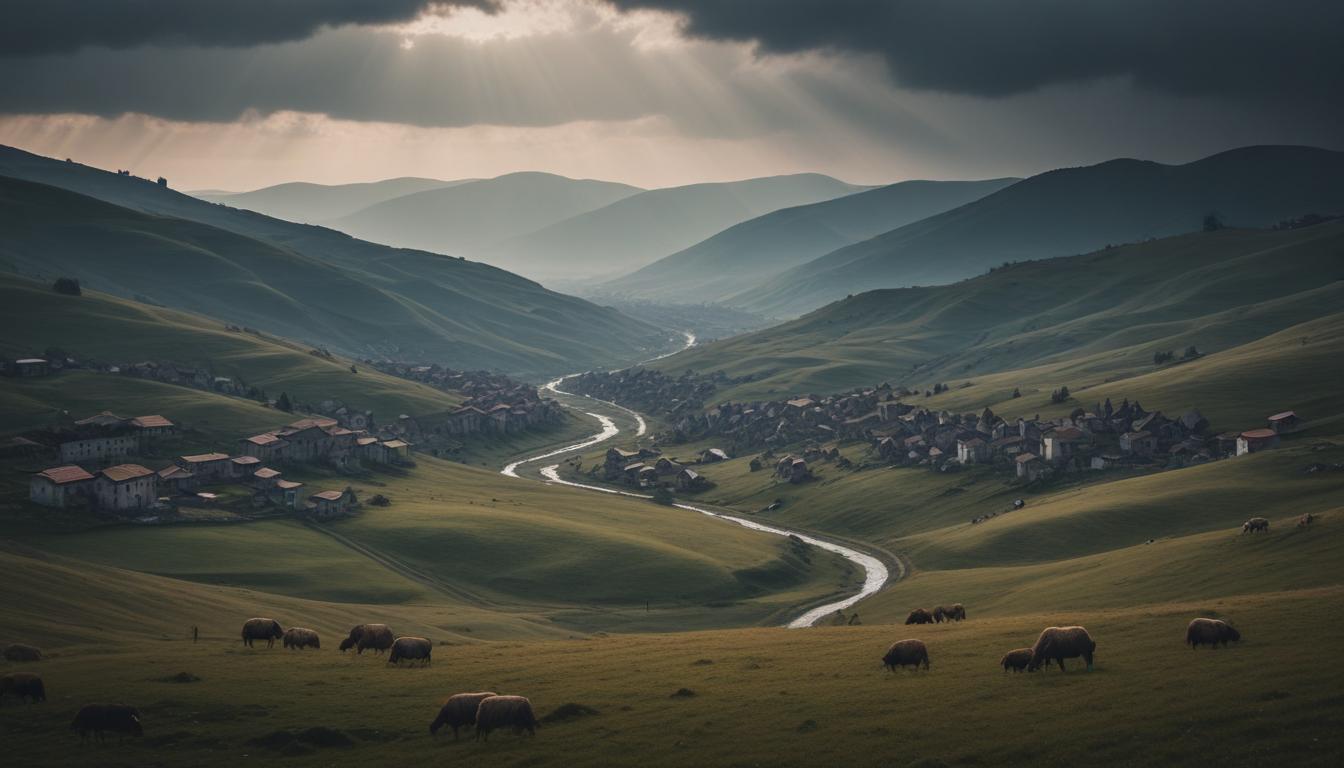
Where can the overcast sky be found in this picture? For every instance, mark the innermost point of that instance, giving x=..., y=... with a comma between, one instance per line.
x=238, y=94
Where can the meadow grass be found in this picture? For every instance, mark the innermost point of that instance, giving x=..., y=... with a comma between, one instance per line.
x=748, y=697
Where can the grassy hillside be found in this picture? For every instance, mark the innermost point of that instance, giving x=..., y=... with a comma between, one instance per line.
x=492, y=319
x=747, y=254
x=475, y=536
x=636, y=230
x=758, y=696
x=1083, y=321
x=306, y=283
x=465, y=219
x=308, y=203
x=1066, y=212
x=98, y=326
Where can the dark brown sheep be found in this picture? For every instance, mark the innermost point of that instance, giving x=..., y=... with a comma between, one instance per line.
x=1210, y=632
x=1060, y=643
x=459, y=710
x=1255, y=524
x=1306, y=520
x=906, y=653
x=919, y=616
x=1018, y=659
x=376, y=637
x=497, y=712
x=262, y=629
x=957, y=612
x=411, y=649
x=21, y=652
x=99, y=718
x=25, y=685
x=301, y=637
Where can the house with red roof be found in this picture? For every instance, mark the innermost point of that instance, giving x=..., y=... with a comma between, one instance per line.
x=60, y=486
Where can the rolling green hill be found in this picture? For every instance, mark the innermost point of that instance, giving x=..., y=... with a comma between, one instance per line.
x=363, y=301
x=1080, y=321
x=1065, y=212
x=747, y=254
x=308, y=203
x=636, y=230
x=101, y=327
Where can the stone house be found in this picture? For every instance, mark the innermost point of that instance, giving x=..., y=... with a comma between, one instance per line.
x=208, y=467
x=153, y=426
x=1138, y=443
x=396, y=450
x=1029, y=467
x=31, y=366
x=712, y=455
x=266, y=446
x=243, y=466
x=101, y=446
x=265, y=478
x=793, y=469
x=1283, y=423
x=286, y=493
x=1256, y=440
x=176, y=480
x=972, y=451
x=332, y=503
x=1059, y=445
x=126, y=487
x=690, y=480
x=60, y=486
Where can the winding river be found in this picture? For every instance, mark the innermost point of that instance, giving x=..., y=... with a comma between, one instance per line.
x=875, y=571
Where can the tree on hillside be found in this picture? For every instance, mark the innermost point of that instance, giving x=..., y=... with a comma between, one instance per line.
x=283, y=403
x=67, y=285
x=663, y=495
x=1059, y=395
x=1213, y=222
x=1163, y=357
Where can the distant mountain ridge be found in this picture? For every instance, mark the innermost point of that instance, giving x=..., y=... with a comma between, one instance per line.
x=745, y=255
x=1064, y=212
x=303, y=282
x=308, y=203
x=634, y=231
x=464, y=220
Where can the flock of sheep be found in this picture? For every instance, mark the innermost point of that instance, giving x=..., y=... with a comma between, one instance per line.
x=1054, y=643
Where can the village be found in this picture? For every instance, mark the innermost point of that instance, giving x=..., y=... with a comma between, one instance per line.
x=899, y=433
x=94, y=472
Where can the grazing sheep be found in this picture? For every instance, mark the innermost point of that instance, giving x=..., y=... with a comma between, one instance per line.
x=262, y=629
x=919, y=616
x=21, y=652
x=301, y=637
x=1306, y=520
x=411, y=649
x=497, y=712
x=1210, y=632
x=98, y=718
x=24, y=685
x=957, y=612
x=906, y=653
x=376, y=637
x=1017, y=659
x=1060, y=643
x=459, y=710
x=1255, y=524
x=940, y=614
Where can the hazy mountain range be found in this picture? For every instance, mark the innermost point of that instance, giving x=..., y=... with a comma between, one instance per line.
x=132, y=237
x=1064, y=212
x=308, y=203
x=747, y=254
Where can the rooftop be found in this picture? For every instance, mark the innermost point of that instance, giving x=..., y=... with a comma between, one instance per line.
x=328, y=495
x=201, y=458
x=151, y=422
x=123, y=472
x=63, y=475
x=266, y=473
x=1259, y=434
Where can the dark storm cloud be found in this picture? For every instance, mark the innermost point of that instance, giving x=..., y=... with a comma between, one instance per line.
x=1219, y=48
x=61, y=26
